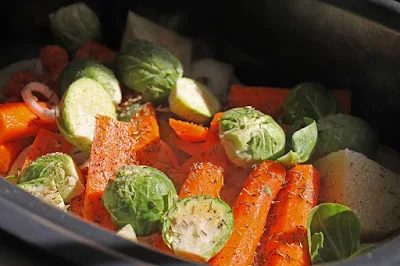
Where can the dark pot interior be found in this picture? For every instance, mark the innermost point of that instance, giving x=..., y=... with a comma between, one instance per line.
x=340, y=44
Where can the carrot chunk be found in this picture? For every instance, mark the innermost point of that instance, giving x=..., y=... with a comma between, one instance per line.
x=188, y=131
x=285, y=239
x=17, y=121
x=250, y=212
x=9, y=151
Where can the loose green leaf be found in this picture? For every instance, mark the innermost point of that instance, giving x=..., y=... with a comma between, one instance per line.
x=303, y=143
x=333, y=233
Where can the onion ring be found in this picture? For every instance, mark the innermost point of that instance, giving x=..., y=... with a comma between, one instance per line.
x=31, y=101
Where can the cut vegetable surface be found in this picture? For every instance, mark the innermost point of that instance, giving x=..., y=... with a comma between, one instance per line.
x=59, y=166
x=84, y=99
x=188, y=131
x=285, y=239
x=370, y=190
x=198, y=227
x=250, y=212
x=192, y=101
x=112, y=139
x=9, y=151
x=88, y=68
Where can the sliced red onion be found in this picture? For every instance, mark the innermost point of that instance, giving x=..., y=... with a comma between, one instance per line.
x=31, y=101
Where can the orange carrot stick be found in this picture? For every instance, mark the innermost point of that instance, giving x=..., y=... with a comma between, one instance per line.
x=203, y=179
x=265, y=99
x=250, y=212
x=188, y=131
x=95, y=51
x=193, y=149
x=47, y=142
x=9, y=152
x=285, y=239
x=54, y=59
x=17, y=122
x=213, y=131
x=344, y=98
x=113, y=147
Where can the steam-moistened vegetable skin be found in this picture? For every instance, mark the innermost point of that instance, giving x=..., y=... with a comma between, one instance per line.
x=188, y=131
x=192, y=101
x=112, y=139
x=9, y=152
x=249, y=136
x=46, y=142
x=148, y=69
x=333, y=232
x=88, y=68
x=74, y=25
x=369, y=189
x=309, y=100
x=84, y=99
x=341, y=131
x=303, y=142
x=45, y=189
x=285, y=239
x=139, y=196
x=59, y=166
x=250, y=212
x=127, y=232
x=198, y=227
x=17, y=121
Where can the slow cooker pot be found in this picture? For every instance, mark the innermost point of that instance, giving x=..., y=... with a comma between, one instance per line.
x=341, y=44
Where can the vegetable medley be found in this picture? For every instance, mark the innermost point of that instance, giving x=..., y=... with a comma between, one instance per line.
x=142, y=143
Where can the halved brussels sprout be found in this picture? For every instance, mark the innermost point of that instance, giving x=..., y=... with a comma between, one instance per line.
x=60, y=167
x=139, y=196
x=83, y=67
x=250, y=136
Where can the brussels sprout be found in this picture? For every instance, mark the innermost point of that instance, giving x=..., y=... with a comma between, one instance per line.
x=88, y=68
x=59, y=166
x=309, y=100
x=139, y=196
x=304, y=136
x=198, y=227
x=74, y=25
x=250, y=136
x=83, y=100
x=340, y=131
x=193, y=101
x=148, y=69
